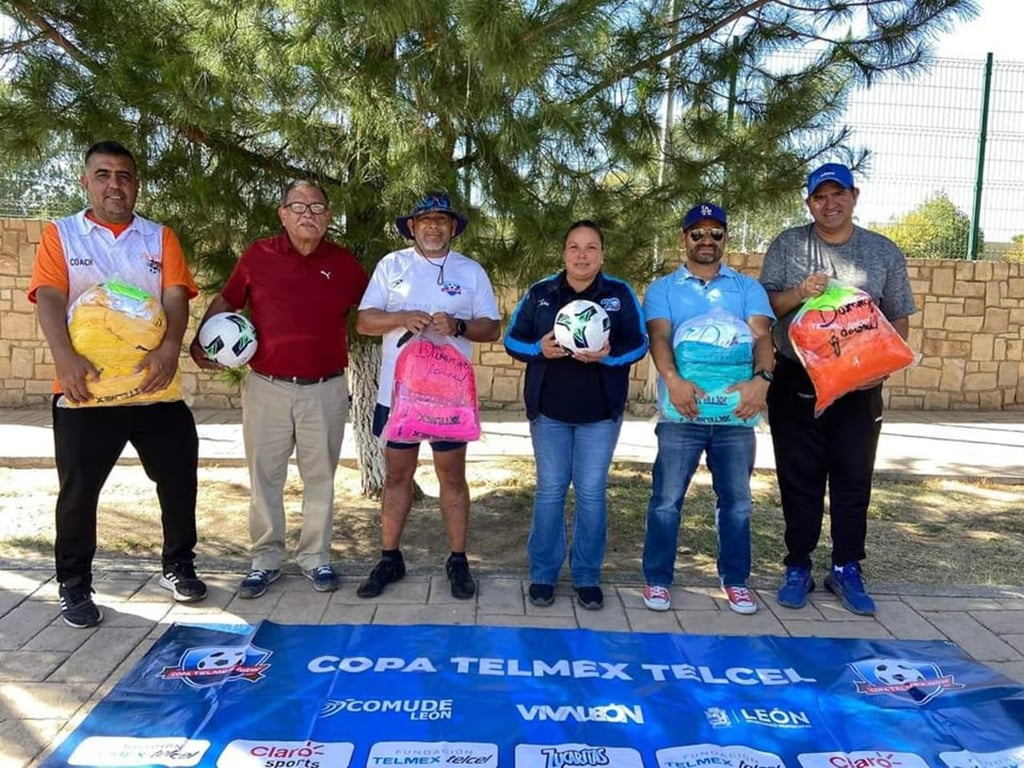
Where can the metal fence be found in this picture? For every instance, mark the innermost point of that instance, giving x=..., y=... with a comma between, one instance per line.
x=941, y=137
x=924, y=170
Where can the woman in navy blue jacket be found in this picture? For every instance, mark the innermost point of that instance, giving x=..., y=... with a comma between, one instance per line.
x=574, y=402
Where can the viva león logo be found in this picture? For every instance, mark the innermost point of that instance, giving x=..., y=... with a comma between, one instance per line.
x=562, y=713
x=202, y=667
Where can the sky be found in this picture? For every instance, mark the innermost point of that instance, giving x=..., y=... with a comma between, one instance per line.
x=996, y=29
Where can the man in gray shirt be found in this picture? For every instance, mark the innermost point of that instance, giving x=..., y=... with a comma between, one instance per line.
x=837, y=448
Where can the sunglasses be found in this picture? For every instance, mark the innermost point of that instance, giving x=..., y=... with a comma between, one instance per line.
x=696, y=235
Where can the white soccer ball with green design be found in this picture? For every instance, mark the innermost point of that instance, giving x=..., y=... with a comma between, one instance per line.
x=228, y=338
x=582, y=326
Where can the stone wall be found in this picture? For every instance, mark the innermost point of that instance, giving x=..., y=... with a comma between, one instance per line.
x=969, y=330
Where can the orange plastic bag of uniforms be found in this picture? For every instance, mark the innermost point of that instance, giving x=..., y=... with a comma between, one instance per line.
x=844, y=341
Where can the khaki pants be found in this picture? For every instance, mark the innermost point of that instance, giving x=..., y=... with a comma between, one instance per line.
x=277, y=417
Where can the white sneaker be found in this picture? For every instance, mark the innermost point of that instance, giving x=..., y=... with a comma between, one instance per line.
x=657, y=598
x=741, y=600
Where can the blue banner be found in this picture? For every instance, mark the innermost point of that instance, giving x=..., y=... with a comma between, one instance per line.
x=377, y=696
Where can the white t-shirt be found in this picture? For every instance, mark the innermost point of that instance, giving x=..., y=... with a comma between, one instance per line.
x=405, y=280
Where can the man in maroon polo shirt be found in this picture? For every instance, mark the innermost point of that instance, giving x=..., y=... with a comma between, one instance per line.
x=299, y=289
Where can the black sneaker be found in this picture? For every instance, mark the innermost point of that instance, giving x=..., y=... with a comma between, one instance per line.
x=388, y=570
x=542, y=595
x=77, y=608
x=181, y=579
x=459, y=577
x=591, y=598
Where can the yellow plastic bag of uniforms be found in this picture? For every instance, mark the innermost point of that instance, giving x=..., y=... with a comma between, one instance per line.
x=115, y=325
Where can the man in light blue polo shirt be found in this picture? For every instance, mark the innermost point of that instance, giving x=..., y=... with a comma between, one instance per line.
x=706, y=305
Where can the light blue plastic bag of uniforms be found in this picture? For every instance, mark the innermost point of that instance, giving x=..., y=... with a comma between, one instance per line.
x=714, y=351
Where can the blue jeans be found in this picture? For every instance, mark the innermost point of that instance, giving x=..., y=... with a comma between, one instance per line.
x=730, y=456
x=579, y=454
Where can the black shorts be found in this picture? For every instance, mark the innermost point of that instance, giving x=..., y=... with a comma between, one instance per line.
x=380, y=418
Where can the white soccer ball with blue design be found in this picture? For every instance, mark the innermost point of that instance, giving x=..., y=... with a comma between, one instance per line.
x=228, y=338
x=582, y=326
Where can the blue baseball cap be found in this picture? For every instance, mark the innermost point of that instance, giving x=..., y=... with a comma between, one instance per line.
x=836, y=172
x=703, y=211
x=433, y=202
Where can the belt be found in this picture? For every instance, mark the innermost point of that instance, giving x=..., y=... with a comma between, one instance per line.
x=302, y=382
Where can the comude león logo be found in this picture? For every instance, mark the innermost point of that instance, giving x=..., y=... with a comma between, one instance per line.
x=204, y=666
x=414, y=709
x=917, y=681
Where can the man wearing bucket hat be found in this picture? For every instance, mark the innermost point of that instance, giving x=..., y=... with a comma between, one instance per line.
x=838, y=448
x=427, y=287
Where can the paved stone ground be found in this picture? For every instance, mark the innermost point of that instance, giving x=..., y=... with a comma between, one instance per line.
x=51, y=675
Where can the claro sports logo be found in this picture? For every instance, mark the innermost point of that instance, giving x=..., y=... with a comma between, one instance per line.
x=286, y=754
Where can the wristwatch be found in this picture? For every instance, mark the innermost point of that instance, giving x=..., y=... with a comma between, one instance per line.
x=765, y=374
x=460, y=327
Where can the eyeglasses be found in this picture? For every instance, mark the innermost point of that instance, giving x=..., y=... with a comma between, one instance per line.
x=696, y=235
x=300, y=208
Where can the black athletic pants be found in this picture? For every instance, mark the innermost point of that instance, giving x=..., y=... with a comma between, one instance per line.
x=837, y=447
x=88, y=442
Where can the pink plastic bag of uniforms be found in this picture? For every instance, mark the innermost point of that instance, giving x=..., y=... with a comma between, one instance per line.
x=434, y=396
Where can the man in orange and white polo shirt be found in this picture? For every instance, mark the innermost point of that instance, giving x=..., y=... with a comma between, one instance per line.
x=107, y=241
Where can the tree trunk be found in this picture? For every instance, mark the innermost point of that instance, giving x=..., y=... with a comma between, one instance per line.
x=364, y=365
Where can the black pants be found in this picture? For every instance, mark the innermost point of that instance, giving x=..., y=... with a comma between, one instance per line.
x=837, y=447
x=88, y=442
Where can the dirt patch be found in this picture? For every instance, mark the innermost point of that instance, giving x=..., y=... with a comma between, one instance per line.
x=936, y=532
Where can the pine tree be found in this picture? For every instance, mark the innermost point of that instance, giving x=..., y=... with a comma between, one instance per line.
x=531, y=113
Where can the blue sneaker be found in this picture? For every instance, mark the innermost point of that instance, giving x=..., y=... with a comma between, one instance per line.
x=797, y=585
x=847, y=584
x=324, y=578
x=255, y=584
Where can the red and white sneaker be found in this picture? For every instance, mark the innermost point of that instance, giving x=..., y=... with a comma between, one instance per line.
x=657, y=598
x=741, y=600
